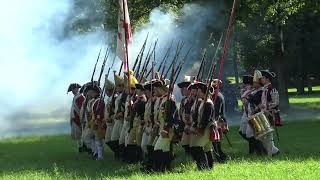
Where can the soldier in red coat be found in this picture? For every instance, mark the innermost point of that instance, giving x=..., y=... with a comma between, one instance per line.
x=78, y=99
x=94, y=129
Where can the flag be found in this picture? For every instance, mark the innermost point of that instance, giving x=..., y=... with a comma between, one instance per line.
x=124, y=37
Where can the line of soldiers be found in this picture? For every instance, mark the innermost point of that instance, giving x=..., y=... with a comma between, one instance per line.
x=140, y=121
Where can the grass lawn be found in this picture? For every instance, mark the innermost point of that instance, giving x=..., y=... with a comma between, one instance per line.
x=52, y=157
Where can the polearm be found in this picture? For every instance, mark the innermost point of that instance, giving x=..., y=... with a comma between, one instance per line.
x=140, y=53
x=95, y=66
x=165, y=57
x=178, y=50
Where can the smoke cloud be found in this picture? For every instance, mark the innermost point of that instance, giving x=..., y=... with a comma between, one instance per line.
x=40, y=55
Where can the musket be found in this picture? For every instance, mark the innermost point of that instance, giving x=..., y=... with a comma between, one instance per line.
x=215, y=55
x=145, y=61
x=148, y=60
x=95, y=66
x=107, y=75
x=179, y=68
x=201, y=65
x=140, y=53
x=178, y=50
x=171, y=85
x=163, y=62
x=104, y=64
x=101, y=72
x=120, y=69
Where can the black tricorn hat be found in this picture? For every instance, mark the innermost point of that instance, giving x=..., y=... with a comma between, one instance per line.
x=247, y=79
x=157, y=83
x=147, y=86
x=73, y=85
x=92, y=86
x=139, y=86
x=268, y=74
x=204, y=87
x=192, y=86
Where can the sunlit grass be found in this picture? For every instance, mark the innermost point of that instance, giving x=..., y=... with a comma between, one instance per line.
x=52, y=157
x=315, y=88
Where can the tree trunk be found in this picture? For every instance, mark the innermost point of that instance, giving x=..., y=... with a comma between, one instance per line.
x=280, y=69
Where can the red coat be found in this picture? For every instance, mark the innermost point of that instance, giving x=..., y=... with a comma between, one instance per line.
x=77, y=104
x=98, y=111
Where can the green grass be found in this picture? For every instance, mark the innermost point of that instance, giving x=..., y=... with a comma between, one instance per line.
x=293, y=90
x=305, y=102
x=52, y=157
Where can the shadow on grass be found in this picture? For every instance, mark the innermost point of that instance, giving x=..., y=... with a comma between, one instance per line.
x=53, y=154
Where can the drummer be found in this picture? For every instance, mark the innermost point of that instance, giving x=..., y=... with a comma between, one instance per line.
x=254, y=100
x=244, y=130
x=270, y=106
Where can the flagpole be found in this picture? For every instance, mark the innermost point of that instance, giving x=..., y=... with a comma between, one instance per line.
x=126, y=56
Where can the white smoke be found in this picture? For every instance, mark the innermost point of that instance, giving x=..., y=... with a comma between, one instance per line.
x=39, y=57
x=37, y=65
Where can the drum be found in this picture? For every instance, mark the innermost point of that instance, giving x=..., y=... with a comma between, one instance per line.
x=260, y=124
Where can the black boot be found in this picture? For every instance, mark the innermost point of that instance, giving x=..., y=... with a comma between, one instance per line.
x=193, y=153
x=202, y=161
x=156, y=160
x=186, y=149
x=251, y=145
x=216, y=151
x=115, y=145
x=259, y=148
x=167, y=160
x=139, y=154
x=129, y=154
x=148, y=162
x=223, y=156
x=210, y=159
x=122, y=152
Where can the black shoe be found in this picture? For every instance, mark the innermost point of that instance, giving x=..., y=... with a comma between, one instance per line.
x=80, y=149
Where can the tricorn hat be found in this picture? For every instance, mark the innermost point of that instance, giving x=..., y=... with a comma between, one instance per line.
x=268, y=74
x=185, y=83
x=72, y=86
x=92, y=86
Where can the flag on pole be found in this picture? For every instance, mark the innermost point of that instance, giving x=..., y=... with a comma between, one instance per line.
x=124, y=36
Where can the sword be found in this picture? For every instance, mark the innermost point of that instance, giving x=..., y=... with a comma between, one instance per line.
x=275, y=127
x=228, y=140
